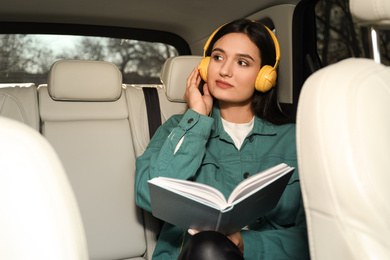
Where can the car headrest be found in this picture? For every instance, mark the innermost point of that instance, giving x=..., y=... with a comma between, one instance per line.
x=174, y=75
x=82, y=80
x=371, y=12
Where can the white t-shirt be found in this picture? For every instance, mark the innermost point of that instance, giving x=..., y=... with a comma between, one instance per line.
x=238, y=132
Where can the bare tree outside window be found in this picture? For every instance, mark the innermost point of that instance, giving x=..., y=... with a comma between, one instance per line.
x=28, y=58
x=338, y=37
x=22, y=59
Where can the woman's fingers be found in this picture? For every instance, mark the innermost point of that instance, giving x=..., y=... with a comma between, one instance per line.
x=194, y=98
x=194, y=79
x=237, y=239
x=207, y=98
x=192, y=231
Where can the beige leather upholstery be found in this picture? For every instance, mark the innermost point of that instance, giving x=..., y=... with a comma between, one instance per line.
x=98, y=128
x=92, y=136
x=20, y=103
x=343, y=143
x=138, y=115
x=369, y=12
x=39, y=216
x=84, y=81
x=174, y=76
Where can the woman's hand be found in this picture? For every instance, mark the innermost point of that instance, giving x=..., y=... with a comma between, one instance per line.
x=236, y=238
x=195, y=100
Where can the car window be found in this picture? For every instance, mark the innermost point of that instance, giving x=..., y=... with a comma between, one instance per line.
x=27, y=58
x=339, y=38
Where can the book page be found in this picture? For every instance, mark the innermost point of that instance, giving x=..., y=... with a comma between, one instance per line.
x=257, y=181
x=198, y=191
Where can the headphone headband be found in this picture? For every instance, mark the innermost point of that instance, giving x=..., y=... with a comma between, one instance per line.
x=277, y=47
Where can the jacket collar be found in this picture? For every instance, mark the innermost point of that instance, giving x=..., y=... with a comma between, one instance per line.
x=260, y=127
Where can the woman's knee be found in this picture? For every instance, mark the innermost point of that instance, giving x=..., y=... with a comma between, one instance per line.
x=210, y=245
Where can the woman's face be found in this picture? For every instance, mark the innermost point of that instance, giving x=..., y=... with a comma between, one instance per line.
x=234, y=65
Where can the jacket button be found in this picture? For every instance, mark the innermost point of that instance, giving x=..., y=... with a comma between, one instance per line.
x=251, y=138
x=246, y=175
x=190, y=120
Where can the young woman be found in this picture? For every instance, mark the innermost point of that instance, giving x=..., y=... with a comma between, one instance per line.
x=230, y=131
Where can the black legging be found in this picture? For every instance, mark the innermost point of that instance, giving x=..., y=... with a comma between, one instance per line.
x=210, y=245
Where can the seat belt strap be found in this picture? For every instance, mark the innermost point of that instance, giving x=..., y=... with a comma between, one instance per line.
x=152, y=109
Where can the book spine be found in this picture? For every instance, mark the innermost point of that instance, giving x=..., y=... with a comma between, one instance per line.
x=224, y=224
x=219, y=220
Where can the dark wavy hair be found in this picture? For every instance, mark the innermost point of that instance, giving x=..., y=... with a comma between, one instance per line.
x=264, y=105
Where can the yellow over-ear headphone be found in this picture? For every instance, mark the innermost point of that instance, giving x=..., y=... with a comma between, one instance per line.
x=266, y=79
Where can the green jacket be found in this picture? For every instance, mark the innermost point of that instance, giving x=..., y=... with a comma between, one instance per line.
x=209, y=156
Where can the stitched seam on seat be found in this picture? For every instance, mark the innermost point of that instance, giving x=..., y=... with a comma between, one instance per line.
x=52, y=84
x=379, y=9
x=19, y=104
x=2, y=104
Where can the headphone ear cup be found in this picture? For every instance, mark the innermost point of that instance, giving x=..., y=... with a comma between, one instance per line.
x=203, y=67
x=266, y=79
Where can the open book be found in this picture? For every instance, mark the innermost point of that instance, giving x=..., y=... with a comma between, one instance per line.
x=198, y=206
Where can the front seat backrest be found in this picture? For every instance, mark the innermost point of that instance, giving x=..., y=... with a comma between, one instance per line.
x=343, y=145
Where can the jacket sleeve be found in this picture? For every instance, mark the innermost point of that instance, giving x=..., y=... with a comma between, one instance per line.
x=280, y=243
x=160, y=158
